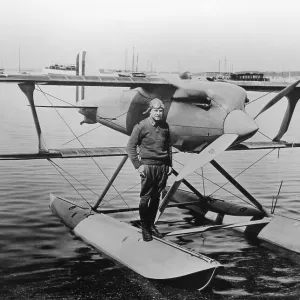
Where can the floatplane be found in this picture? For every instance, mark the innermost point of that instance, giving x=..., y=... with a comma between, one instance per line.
x=206, y=118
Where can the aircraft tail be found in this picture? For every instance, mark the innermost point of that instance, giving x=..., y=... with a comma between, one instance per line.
x=80, y=70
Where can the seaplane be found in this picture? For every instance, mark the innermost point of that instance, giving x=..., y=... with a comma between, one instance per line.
x=205, y=118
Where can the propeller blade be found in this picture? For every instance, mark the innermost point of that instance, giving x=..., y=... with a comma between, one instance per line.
x=195, y=162
x=292, y=101
x=279, y=96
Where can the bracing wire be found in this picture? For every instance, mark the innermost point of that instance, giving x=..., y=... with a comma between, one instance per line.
x=77, y=137
x=265, y=135
x=107, y=201
x=260, y=97
x=45, y=93
x=222, y=186
x=56, y=167
x=81, y=135
x=243, y=171
x=213, y=182
x=114, y=118
x=53, y=163
x=81, y=144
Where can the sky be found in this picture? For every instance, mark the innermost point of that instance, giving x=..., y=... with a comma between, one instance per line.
x=195, y=36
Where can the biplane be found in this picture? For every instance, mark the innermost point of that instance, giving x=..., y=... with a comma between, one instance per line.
x=206, y=118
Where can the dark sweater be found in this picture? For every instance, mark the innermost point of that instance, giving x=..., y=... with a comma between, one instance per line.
x=154, y=144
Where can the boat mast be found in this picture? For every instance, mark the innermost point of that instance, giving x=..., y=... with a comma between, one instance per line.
x=19, y=60
x=133, y=59
x=125, y=60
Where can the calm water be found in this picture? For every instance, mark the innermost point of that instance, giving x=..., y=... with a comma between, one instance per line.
x=41, y=259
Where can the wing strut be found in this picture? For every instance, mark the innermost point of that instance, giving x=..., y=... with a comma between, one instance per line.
x=28, y=89
x=293, y=97
x=195, y=162
x=240, y=188
x=111, y=181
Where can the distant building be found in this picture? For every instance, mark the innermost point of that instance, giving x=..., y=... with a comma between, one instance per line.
x=237, y=76
x=248, y=76
x=219, y=75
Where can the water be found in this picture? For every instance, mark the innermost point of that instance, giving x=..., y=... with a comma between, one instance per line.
x=41, y=259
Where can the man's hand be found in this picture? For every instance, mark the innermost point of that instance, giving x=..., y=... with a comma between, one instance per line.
x=169, y=170
x=141, y=170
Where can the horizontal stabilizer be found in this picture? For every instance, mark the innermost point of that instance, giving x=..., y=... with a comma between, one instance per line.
x=216, y=227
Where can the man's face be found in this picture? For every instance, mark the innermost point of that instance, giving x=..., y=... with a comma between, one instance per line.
x=156, y=114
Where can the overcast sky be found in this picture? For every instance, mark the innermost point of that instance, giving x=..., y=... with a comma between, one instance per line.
x=173, y=35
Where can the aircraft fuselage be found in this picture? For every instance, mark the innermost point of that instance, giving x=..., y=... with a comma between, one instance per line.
x=195, y=110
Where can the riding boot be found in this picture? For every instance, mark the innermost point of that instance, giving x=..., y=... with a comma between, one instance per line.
x=146, y=232
x=153, y=228
x=155, y=231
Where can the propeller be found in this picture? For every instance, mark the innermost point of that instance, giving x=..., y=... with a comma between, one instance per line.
x=278, y=97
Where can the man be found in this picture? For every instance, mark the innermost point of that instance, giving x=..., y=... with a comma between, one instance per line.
x=153, y=139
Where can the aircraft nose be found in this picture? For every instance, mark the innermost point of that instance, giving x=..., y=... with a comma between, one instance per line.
x=240, y=123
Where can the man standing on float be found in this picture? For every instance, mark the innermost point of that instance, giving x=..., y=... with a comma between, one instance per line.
x=154, y=163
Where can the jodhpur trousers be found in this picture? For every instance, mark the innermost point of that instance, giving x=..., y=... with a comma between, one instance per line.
x=151, y=188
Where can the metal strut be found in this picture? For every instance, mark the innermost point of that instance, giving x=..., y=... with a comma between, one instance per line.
x=191, y=187
x=111, y=181
x=28, y=89
x=240, y=188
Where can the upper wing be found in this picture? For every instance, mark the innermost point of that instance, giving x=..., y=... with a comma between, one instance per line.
x=72, y=80
x=261, y=86
x=67, y=153
x=70, y=153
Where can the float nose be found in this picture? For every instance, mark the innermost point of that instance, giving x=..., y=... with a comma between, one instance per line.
x=238, y=122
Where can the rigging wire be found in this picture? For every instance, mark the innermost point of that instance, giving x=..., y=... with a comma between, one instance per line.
x=222, y=187
x=82, y=135
x=74, y=178
x=260, y=97
x=120, y=194
x=114, y=118
x=76, y=137
x=215, y=183
x=45, y=93
x=107, y=201
x=81, y=143
x=243, y=171
x=265, y=136
x=55, y=166
x=57, y=98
